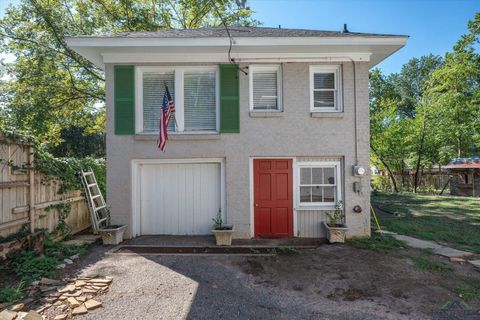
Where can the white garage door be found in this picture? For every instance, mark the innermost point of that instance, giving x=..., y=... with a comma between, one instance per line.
x=179, y=199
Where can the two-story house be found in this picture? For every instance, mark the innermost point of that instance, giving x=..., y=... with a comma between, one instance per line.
x=271, y=127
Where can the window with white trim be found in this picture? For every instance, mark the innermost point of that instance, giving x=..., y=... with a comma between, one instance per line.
x=325, y=88
x=319, y=184
x=265, y=88
x=194, y=91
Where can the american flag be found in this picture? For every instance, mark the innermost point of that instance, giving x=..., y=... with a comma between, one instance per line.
x=167, y=109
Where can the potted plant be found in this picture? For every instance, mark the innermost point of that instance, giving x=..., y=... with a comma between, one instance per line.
x=111, y=234
x=336, y=228
x=223, y=232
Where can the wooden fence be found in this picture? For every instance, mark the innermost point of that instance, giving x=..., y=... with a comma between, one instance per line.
x=27, y=196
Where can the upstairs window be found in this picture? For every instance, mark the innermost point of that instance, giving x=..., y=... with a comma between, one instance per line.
x=265, y=88
x=194, y=91
x=325, y=89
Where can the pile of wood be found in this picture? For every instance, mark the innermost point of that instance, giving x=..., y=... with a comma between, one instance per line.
x=59, y=300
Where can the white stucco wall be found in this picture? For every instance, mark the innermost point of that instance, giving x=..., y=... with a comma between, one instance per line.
x=294, y=134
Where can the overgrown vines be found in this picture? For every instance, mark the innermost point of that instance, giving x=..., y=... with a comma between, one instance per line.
x=64, y=170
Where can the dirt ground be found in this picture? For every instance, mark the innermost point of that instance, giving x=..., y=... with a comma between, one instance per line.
x=331, y=282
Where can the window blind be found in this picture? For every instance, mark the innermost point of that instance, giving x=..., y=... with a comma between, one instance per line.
x=324, y=95
x=265, y=90
x=324, y=80
x=153, y=91
x=200, y=101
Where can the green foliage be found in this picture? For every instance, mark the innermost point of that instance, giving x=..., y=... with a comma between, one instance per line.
x=272, y=251
x=20, y=234
x=60, y=250
x=449, y=219
x=218, y=221
x=381, y=183
x=289, y=250
x=426, y=264
x=377, y=242
x=66, y=169
x=31, y=267
x=428, y=113
x=63, y=209
x=337, y=216
x=77, y=143
x=11, y=294
x=52, y=87
x=469, y=292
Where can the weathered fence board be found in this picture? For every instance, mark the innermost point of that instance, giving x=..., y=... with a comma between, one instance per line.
x=25, y=194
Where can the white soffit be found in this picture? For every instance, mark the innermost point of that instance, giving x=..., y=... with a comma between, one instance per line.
x=175, y=50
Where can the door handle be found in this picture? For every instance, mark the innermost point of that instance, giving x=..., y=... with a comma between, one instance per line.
x=256, y=204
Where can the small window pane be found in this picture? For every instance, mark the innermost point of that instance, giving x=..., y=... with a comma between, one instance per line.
x=317, y=194
x=305, y=176
x=324, y=80
x=329, y=176
x=317, y=175
x=305, y=194
x=153, y=91
x=265, y=90
x=200, y=101
x=324, y=99
x=328, y=194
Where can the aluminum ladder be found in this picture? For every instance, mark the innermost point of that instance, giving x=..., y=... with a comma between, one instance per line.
x=99, y=212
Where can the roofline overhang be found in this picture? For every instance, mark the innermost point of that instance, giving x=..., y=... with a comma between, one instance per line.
x=256, y=49
x=224, y=41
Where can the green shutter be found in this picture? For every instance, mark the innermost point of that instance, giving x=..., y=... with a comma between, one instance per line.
x=124, y=100
x=229, y=99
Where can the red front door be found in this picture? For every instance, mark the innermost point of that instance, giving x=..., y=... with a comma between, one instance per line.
x=273, y=198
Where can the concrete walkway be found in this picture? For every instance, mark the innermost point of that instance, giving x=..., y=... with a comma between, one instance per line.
x=444, y=251
x=435, y=247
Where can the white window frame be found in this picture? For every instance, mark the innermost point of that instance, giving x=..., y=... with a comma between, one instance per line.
x=257, y=67
x=179, y=72
x=338, y=183
x=338, y=102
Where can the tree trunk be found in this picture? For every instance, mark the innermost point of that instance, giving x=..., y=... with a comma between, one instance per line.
x=390, y=173
x=419, y=158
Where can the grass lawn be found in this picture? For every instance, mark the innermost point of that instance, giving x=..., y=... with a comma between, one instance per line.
x=448, y=220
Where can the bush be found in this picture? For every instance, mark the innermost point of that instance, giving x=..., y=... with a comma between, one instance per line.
x=381, y=183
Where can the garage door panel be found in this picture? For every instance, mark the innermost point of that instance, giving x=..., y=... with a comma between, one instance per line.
x=179, y=198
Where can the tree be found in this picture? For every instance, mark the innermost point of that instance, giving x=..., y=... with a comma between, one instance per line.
x=453, y=98
x=388, y=129
x=410, y=83
x=52, y=87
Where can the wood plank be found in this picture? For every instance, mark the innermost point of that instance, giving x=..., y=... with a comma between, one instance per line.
x=13, y=184
x=13, y=223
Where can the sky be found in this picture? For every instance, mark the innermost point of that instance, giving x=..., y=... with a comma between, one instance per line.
x=433, y=25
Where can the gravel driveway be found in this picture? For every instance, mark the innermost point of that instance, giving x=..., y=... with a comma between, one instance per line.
x=331, y=282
